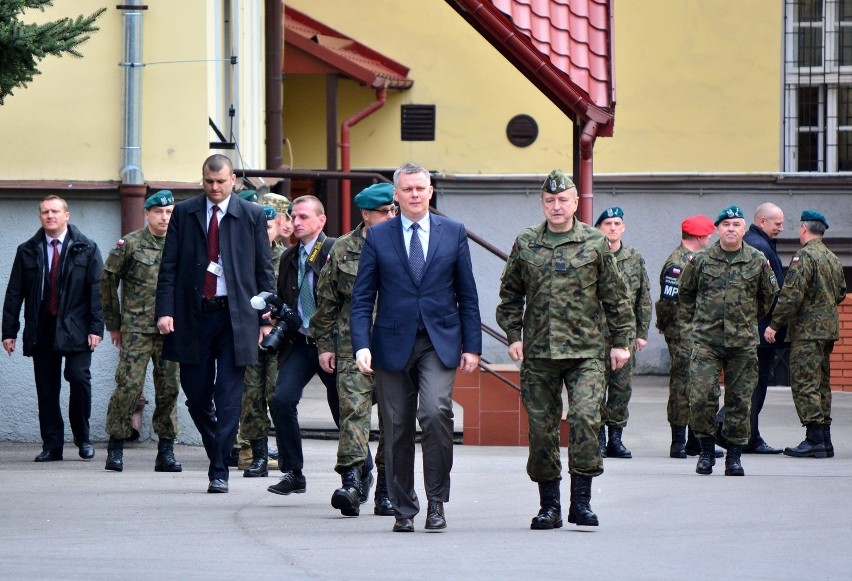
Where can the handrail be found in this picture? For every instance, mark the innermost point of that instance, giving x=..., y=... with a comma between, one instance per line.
x=497, y=375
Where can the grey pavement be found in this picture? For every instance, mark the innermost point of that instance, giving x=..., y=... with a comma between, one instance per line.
x=786, y=519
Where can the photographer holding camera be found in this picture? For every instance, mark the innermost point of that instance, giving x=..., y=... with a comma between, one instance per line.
x=298, y=359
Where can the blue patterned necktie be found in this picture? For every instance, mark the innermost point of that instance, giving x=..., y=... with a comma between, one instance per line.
x=416, y=260
x=306, y=293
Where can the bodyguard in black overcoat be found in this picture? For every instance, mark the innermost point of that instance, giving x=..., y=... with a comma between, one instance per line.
x=214, y=337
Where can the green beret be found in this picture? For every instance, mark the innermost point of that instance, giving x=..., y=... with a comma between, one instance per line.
x=161, y=198
x=270, y=212
x=277, y=201
x=374, y=196
x=729, y=213
x=556, y=182
x=613, y=212
x=814, y=216
x=249, y=196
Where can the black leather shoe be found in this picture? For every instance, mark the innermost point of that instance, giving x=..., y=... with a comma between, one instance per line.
x=403, y=525
x=49, y=456
x=87, y=451
x=217, y=485
x=289, y=484
x=435, y=520
x=762, y=448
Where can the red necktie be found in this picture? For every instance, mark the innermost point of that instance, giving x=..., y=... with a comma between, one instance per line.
x=212, y=253
x=53, y=304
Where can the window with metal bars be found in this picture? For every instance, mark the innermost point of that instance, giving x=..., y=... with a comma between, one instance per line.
x=818, y=86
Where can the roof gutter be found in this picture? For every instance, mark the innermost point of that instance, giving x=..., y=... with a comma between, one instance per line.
x=345, y=157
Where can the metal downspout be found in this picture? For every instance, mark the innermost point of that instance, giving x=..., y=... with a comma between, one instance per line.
x=345, y=161
x=274, y=89
x=587, y=144
x=133, y=188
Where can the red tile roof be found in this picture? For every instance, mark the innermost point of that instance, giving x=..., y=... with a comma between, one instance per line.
x=312, y=47
x=563, y=46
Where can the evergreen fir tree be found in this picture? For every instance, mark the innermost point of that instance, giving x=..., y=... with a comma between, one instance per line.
x=23, y=45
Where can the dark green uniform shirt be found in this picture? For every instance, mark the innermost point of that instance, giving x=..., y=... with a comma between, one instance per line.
x=556, y=294
x=813, y=288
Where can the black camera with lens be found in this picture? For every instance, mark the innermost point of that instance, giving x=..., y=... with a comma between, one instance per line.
x=288, y=318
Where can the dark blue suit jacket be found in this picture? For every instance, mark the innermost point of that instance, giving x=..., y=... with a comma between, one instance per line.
x=757, y=238
x=446, y=299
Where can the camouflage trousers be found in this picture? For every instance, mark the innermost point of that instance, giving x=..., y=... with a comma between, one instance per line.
x=810, y=374
x=541, y=394
x=356, y=393
x=137, y=349
x=677, y=409
x=259, y=382
x=617, y=392
x=740, y=367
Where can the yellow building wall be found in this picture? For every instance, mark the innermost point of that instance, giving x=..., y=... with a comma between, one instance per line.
x=67, y=123
x=698, y=87
x=475, y=89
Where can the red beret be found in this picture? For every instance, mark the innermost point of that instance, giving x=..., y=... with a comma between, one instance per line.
x=697, y=225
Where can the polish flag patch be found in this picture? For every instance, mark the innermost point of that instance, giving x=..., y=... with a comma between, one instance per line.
x=676, y=271
x=795, y=259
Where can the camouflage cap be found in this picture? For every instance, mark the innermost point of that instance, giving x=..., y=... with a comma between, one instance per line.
x=814, y=216
x=556, y=182
x=374, y=196
x=729, y=213
x=270, y=212
x=613, y=212
x=277, y=201
x=249, y=196
x=161, y=198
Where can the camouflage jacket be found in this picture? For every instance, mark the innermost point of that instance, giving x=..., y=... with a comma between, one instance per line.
x=631, y=265
x=556, y=296
x=134, y=262
x=722, y=302
x=330, y=324
x=277, y=251
x=668, y=321
x=813, y=288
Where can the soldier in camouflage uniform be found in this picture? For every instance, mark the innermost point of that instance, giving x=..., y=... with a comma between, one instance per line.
x=330, y=326
x=695, y=235
x=282, y=218
x=631, y=265
x=134, y=263
x=560, y=281
x=723, y=291
x=808, y=304
x=260, y=381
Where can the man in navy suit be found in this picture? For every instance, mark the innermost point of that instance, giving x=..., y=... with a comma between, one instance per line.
x=427, y=324
x=215, y=259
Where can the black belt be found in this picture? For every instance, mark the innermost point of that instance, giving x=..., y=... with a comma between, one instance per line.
x=214, y=304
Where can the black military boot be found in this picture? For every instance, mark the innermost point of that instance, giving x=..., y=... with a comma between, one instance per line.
x=550, y=514
x=383, y=504
x=347, y=498
x=579, y=511
x=602, y=440
x=826, y=439
x=366, y=484
x=733, y=467
x=115, y=455
x=615, y=448
x=165, y=461
x=259, y=467
x=678, y=447
x=693, y=446
x=707, y=457
x=813, y=446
